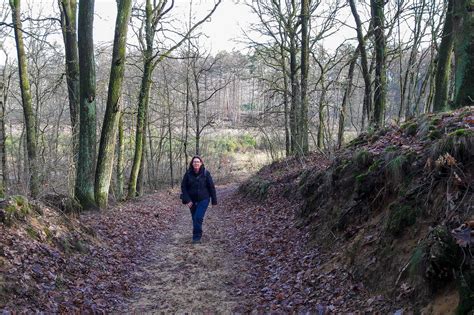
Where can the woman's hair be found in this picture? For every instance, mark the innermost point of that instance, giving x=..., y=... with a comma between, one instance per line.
x=195, y=157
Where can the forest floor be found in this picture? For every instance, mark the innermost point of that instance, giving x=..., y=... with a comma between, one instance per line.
x=138, y=257
x=258, y=254
x=181, y=277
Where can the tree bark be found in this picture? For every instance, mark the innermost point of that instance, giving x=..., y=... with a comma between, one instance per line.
x=84, y=190
x=304, y=77
x=105, y=160
x=347, y=93
x=377, y=8
x=364, y=63
x=464, y=54
x=68, y=10
x=140, y=132
x=4, y=87
x=120, y=160
x=30, y=123
x=443, y=66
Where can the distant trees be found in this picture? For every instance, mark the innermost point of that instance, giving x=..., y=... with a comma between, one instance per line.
x=291, y=36
x=151, y=18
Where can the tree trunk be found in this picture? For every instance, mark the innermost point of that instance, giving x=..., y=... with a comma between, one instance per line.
x=347, y=93
x=140, y=132
x=294, y=108
x=304, y=77
x=322, y=101
x=364, y=63
x=84, y=190
x=120, y=159
x=464, y=54
x=443, y=67
x=141, y=172
x=105, y=160
x=68, y=10
x=4, y=87
x=30, y=123
x=170, y=151
x=380, y=79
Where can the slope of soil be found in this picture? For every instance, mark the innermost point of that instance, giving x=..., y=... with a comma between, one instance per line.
x=380, y=215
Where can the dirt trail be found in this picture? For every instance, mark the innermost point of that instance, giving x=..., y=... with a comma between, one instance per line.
x=191, y=278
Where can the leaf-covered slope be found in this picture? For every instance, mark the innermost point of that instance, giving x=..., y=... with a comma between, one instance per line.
x=57, y=263
x=384, y=207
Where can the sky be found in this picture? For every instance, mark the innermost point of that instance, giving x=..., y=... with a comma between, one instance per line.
x=224, y=27
x=222, y=30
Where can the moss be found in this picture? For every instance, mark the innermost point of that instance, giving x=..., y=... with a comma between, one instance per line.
x=395, y=168
x=435, y=134
x=353, y=251
x=462, y=132
x=459, y=144
x=443, y=256
x=409, y=128
x=416, y=260
x=362, y=139
x=256, y=188
x=49, y=234
x=360, y=178
x=64, y=245
x=466, y=293
x=32, y=232
x=374, y=166
x=436, y=121
x=372, y=169
x=401, y=217
x=17, y=208
x=362, y=158
x=391, y=148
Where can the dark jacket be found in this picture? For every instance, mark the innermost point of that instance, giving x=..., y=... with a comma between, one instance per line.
x=197, y=187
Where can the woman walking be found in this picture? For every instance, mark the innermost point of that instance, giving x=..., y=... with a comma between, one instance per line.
x=197, y=189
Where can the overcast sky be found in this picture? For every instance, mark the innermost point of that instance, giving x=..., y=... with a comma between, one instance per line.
x=225, y=25
x=223, y=28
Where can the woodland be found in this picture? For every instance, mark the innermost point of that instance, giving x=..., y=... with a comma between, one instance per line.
x=344, y=172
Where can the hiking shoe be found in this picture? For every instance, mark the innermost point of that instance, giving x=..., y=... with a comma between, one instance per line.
x=196, y=241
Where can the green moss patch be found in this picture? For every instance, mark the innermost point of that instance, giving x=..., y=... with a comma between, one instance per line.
x=256, y=188
x=459, y=144
x=15, y=208
x=409, y=128
x=401, y=217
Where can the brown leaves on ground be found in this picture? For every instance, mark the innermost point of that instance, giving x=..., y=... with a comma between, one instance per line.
x=81, y=265
x=283, y=271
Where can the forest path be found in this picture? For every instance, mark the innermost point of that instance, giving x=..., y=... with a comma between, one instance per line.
x=182, y=277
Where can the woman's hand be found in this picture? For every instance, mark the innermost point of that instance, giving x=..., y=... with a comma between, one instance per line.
x=190, y=204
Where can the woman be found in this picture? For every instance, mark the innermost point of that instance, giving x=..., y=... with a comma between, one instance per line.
x=197, y=189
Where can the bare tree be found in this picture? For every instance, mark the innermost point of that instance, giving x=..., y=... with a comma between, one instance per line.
x=151, y=17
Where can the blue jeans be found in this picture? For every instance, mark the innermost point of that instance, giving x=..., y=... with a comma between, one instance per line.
x=198, y=210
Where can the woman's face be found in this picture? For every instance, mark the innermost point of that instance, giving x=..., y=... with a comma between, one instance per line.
x=197, y=163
